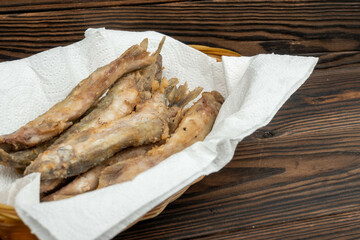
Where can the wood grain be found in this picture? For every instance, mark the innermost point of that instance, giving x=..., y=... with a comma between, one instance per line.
x=326, y=102
x=296, y=177
x=17, y=6
x=249, y=27
x=305, y=164
x=339, y=226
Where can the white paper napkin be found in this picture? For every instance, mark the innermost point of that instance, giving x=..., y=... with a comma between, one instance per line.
x=255, y=88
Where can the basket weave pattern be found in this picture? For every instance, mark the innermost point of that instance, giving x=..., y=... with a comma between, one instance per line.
x=11, y=226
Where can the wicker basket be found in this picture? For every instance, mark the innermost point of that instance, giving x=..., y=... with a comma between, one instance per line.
x=11, y=226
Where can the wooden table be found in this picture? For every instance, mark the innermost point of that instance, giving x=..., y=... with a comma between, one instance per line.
x=298, y=177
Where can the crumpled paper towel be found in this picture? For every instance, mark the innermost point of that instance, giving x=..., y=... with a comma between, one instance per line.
x=255, y=88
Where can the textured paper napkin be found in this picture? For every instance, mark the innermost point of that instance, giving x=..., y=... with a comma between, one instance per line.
x=254, y=87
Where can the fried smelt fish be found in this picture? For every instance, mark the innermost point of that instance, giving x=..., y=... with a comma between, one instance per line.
x=119, y=101
x=194, y=126
x=90, y=147
x=47, y=186
x=79, y=100
x=21, y=159
x=178, y=99
x=89, y=180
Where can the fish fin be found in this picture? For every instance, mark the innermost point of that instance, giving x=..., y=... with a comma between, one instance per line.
x=161, y=44
x=144, y=43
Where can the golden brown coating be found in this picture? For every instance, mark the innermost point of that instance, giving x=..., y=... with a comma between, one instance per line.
x=79, y=100
x=119, y=101
x=90, y=147
x=89, y=180
x=139, y=111
x=178, y=98
x=49, y=185
x=195, y=125
x=22, y=159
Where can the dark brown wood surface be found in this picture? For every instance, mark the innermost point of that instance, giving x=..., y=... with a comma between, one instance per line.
x=298, y=177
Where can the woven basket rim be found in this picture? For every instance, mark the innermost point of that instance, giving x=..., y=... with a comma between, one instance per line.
x=9, y=215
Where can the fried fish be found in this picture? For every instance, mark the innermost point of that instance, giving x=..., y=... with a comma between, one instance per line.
x=148, y=124
x=195, y=125
x=80, y=99
x=89, y=180
x=118, y=102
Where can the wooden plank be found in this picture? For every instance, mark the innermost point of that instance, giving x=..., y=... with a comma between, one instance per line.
x=17, y=6
x=327, y=101
x=248, y=28
x=336, y=60
x=339, y=226
x=304, y=164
